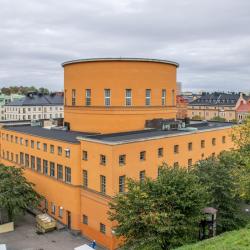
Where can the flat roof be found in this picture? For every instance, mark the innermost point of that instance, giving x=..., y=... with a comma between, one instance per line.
x=142, y=135
x=110, y=59
x=56, y=134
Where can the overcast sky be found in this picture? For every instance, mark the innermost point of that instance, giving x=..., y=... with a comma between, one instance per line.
x=210, y=39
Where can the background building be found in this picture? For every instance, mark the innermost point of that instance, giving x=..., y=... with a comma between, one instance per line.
x=182, y=107
x=120, y=115
x=217, y=104
x=35, y=106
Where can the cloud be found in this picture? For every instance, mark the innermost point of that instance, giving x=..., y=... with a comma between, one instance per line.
x=209, y=39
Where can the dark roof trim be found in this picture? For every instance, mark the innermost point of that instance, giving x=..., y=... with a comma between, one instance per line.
x=120, y=59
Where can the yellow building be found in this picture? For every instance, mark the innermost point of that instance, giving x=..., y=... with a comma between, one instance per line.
x=121, y=119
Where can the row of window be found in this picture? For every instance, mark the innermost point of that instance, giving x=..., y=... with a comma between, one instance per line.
x=85, y=221
x=128, y=97
x=34, y=117
x=35, y=109
x=160, y=152
x=38, y=145
x=62, y=173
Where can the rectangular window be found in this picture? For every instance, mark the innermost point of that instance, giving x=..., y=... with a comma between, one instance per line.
x=84, y=155
x=33, y=162
x=59, y=172
x=45, y=167
x=45, y=147
x=85, y=178
x=52, y=169
x=148, y=97
x=60, y=212
x=38, y=145
x=32, y=144
x=128, y=97
x=122, y=160
x=223, y=139
x=107, y=97
x=102, y=159
x=176, y=149
x=87, y=97
x=26, y=143
x=17, y=158
x=160, y=152
x=122, y=184
x=190, y=146
x=202, y=143
x=21, y=158
x=67, y=153
x=21, y=140
x=143, y=155
x=67, y=174
x=52, y=149
x=142, y=175
x=190, y=162
x=73, y=97
x=213, y=141
x=173, y=97
x=53, y=208
x=103, y=184
x=102, y=228
x=27, y=160
x=85, y=219
x=38, y=165
x=163, y=97
x=16, y=139
x=59, y=150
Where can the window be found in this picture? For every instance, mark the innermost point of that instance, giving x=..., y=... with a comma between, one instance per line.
x=16, y=158
x=59, y=150
x=33, y=162
x=107, y=97
x=45, y=147
x=38, y=165
x=176, y=149
x=27, y=163
x=143, y=155
x=213, y=141
x=84, y=155
x=26, y=143
x=52, y=149
x=102, y=159
x=60, y=213
x=128, y=97
x=202, y=143
x=85, y=219
x=160, y=152
x=190, y=146
x=73, y=97
x=45, y=167
x=67, y=174
x=190, y=162
x=122, y=160
x=38, y=145
x=173, y=97
x=87, y=97
x=16, y=139
x=53, y=208
x=102, y=228
x=21, y=158
x=176, y=164
x=85, y=178
x=163, y=97
x=223, y=139
x=103, y=184
x=21, y=140
x=32, y=144
x=148, y=97
x=67, y=153
x=59, y=172
x=142, y=175
x=52, y=169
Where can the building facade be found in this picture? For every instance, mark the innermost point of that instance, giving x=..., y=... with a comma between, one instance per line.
x=182, y=107
x=35, y=106
x=210, y=106
x=121, y=119
x=243, y=110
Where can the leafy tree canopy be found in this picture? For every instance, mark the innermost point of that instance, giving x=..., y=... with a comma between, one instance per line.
x=22, y=90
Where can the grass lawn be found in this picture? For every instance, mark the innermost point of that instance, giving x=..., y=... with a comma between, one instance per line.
x=235, y=240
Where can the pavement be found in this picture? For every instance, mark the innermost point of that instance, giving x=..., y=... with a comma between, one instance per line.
x=25, y=238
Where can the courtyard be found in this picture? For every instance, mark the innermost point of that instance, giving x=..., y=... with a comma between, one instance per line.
x=25, y=238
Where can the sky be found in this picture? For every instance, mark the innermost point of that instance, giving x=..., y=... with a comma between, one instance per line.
x=210, y=39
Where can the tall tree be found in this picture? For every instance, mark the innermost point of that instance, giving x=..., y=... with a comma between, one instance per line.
x=16, y=193
x=161, y=213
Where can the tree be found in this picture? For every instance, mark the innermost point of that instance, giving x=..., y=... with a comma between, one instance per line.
x=218, y=119
x=197, y=117
x=16, y=193
x=161, y=213
x=222, y=177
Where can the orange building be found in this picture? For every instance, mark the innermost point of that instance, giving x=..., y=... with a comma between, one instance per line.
x=120, y=115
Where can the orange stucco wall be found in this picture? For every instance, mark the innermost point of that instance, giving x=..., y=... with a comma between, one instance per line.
x=117, y=76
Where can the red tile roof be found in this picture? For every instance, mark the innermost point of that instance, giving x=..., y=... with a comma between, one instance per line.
x=244, y=107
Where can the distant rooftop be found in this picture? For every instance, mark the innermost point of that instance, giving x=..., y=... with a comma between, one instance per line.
x=36, y=99
x=120, y=59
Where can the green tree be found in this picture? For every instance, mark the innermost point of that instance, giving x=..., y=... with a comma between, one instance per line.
x=218, y=119
x=222, y=176
x=197, y=117
x=43, y=91
x=161, y=213
x=16, y=193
